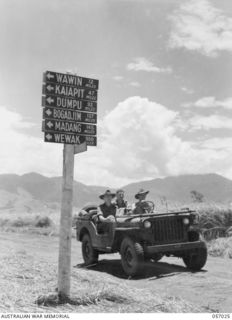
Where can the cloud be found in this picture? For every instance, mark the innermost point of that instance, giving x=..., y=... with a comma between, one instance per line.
x=118, y=78
x=214, y=121
x=211, y=102
x=142, y=64
x=20, y=151
x=137, y=140
x=135, y=84
x=198, y=26
x=187, y=90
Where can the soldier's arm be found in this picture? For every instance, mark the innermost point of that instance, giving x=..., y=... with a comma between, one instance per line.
x=100, y=215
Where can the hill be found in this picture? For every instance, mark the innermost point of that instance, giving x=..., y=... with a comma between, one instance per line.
x=177, y=188
x=33, y=192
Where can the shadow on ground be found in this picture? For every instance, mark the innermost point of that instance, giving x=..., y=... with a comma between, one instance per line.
x=151, y=270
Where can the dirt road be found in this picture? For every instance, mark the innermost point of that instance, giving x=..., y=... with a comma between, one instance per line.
x=211, y=288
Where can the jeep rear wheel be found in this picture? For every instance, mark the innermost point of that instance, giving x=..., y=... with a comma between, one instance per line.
x=196, y=260
x=132, y=256
x=89, y=254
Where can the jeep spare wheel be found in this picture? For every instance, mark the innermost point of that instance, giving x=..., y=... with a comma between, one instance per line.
x=90, y=255
x=132, y=256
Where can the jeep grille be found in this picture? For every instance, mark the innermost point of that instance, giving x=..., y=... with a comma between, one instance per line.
x=168, y=229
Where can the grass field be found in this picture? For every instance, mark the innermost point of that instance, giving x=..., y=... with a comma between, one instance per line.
x=24, y=278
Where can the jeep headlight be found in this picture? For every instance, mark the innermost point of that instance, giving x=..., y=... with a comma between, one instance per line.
x=186, y=221
x=147, y=224
x=196, y=219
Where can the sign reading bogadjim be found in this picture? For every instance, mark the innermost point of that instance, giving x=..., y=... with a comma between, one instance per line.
x=70, y=107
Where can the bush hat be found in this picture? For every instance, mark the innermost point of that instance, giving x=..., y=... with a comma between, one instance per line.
x=107, y=193
x=141, y=191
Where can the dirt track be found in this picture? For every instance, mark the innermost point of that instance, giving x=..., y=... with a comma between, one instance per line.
x=212, y=287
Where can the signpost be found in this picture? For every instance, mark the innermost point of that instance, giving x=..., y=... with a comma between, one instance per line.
x=69, y=126
x=69, y=103
x=69, y=113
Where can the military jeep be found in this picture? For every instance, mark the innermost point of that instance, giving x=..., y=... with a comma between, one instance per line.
x=143, y=237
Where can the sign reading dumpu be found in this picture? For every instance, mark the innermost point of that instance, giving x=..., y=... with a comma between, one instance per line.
x=69, y=79
x=70, y=108
x=69, y=103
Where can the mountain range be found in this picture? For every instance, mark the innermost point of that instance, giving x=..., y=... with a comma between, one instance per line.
x=33, y=192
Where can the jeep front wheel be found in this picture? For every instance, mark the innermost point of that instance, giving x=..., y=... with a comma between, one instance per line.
x=196, y=260
x=90, y=255
x=132, y=256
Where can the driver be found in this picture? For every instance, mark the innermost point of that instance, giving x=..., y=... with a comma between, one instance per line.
x=106, y=212
x=141, y=206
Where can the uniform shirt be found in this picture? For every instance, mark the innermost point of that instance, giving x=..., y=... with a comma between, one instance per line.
x=140, y=207
x=107, y=211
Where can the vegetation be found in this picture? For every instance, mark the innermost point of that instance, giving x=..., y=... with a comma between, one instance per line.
x=30, y=277
x=221, y=247
x=197, y=196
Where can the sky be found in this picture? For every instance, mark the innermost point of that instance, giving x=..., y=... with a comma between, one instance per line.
x=164, y=70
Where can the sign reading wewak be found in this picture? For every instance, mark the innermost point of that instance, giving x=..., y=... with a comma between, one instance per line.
x=68, y=138
x=69, y=79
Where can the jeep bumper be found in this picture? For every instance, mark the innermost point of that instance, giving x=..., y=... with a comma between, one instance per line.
x=175, y=247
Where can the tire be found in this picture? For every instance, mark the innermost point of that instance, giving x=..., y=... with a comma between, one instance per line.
x=89, y=254
x=132, y=256
x=196, y=260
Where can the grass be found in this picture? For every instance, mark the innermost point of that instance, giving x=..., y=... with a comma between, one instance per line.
x=24, y=278
x=221, y=247
x=35, y=224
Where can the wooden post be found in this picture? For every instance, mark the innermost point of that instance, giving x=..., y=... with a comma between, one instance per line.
x=64, y=267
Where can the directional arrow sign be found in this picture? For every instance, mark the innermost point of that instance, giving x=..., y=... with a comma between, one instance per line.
x=67, y=138
x=70, y=92
x=48, y=112
x=69, y=79
x=48, y=136
x=68, y=103
x=70, y=127
x=68, y=115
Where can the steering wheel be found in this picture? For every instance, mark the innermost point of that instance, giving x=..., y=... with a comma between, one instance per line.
x=149, y=206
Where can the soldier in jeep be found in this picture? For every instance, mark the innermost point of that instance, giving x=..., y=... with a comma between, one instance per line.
x=120, y=201
x=142, y=206
x=106, y=212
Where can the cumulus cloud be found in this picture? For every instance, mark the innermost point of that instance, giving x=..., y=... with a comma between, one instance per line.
x=142, y=64
x=137, y=140
x=214, y=121
x=20, y=151
x=198, y=25
x=211, y=102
